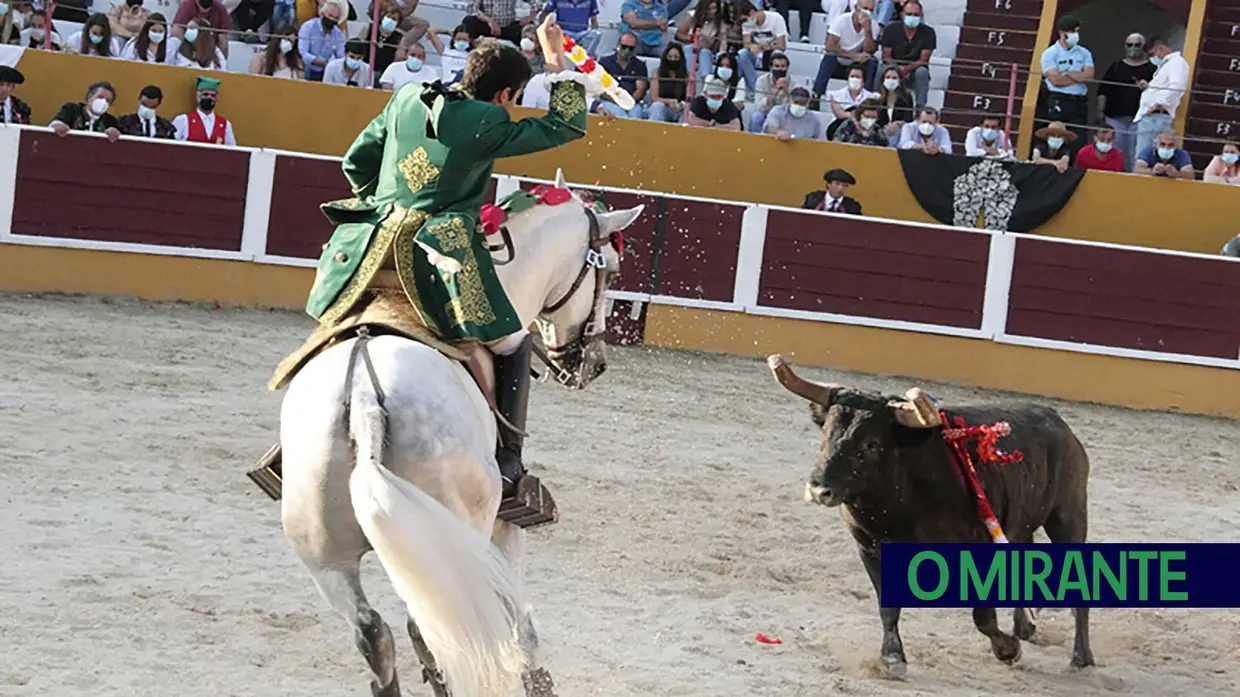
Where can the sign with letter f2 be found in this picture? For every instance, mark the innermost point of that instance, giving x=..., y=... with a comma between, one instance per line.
x=1061, y=575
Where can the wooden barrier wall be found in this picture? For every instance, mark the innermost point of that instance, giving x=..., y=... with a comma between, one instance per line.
x=307, y=117
x=79, y=214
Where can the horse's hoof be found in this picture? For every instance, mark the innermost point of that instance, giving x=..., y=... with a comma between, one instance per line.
x=1081, y=662
x=1006, y=648
x=894, y=667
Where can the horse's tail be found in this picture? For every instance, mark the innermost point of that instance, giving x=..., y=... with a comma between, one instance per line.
x=457, y=587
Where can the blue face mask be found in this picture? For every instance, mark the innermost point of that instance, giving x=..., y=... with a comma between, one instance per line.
x=352, y=63
x=989, y=134
x=4, y=9
x=460, y=45
x=1230, y=158
x=714, y=103
x=413, y=63
x=912, y=22
x=724, y=74
x=1156, y=61
x=96, y=39
x=388, y=24
x=1166, y=153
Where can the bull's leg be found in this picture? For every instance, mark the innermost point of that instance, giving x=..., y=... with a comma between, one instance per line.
x=1022, y=624
x=1070, y=525
x=1005, y=647
x=892, y=654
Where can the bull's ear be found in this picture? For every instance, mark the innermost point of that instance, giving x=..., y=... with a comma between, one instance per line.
x=818, y=414
x=916, y=411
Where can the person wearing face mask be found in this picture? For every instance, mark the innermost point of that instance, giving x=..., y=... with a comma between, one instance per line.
x=145, y=122
x=1165, y=158
x=95, y=38
x=987, y=139
x=89, y=115
x=845, y=99
x=426, y=161
x=852, y=42
x=895, y=103
x=529, y=49
x=1102, y=154
x=1068, y=68
x=321, y=40
x=831, y=198
x=213, y=12
x=925, y=134
x=1055, y=148
x=411, y=70
x=280, y=59
x=152, y=44
x=452, y=58
x=907, y=47
x=1160, y=97
x=630, y=71
x=863, y=128
x=670, y=87
x=36, y=36
x=794, y=120
x=578, y=19
x=127, y=18
x=391, y=41
x=711, y=109
x=1119, y=95
x=203, y=125
x=772, y=90
x=351, y=70
x=1223, y=169
x=12, y=109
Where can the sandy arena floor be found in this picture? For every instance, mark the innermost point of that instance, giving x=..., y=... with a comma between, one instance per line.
x=138, y=560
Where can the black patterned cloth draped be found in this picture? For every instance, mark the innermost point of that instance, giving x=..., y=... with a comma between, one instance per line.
x=1007, y=196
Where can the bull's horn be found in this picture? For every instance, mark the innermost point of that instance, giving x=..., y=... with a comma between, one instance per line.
x=917, y=412
x=813, y=391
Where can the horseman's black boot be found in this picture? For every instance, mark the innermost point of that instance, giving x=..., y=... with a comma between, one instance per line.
x=525, y=502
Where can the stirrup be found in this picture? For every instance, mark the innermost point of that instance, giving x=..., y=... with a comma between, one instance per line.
x=531, y=507
x=268, y=474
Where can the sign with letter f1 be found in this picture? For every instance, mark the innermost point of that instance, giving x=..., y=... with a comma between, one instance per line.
x=1061, y=575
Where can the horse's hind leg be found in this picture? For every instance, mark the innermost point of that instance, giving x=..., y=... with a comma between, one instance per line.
x=430, y=669
x=342, y=588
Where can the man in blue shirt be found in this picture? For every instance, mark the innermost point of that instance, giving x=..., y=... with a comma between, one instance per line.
x=321, y=41
x=1068, y=68
x=1165, y=158
x=578, y=19
x=647, y=20
x=630, y=72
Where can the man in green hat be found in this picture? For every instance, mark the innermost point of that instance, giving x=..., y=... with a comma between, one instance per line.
x=419, y=173
x=203, y=125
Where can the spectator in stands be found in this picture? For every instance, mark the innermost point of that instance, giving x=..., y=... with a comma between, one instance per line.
x=578, y=19
x=1119, y=95
x=89, y=115
x=1056, y=146
x=831, y=197
x=209, y=13
x=249, y=16
x=1067, y=69
x=895, y=103
x=762, y=34
x=413, y=28
x=204, y=125
x=146, y=122
x=152, y=44
x=283, y=16
x=1223, y=169
x=535, y=94
x=10, y=27
x=1165, y=158
x=452, y=58
x=669, y=88
x=794, y=119
x=35, y=34
x=12, y=109
x=351, y=70
x=852, y=40
x=531, y=50
x=925, y=133
x=390, y=39
x=497, y=19
x=95, y=38
x=630, y=71
x=281, y=57
x=1102, y=154
x=863, y=128
x=987, y=139
x=646, y=20
x=845, y=98
x=412, y=69
x=321, y=40
x=908, y=46
x=127, y=18
x=199, y=48
x=705, y=33
x=1160, y=97
x=772, y=90
x=725, y=69
x=712, y=109
x=805, y=16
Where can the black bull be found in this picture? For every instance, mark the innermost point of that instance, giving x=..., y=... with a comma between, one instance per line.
x=884, y=459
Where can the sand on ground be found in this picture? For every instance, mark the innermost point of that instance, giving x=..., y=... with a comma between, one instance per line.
x=138, y=559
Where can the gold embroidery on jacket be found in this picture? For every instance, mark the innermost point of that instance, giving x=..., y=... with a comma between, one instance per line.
x=398, y=220
x=417, y=169
x=450, y=234
x=567, y=99
x=471, y=303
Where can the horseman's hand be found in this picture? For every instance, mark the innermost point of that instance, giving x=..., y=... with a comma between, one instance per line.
x=551, y=38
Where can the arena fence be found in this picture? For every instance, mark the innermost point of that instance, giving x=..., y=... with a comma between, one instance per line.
x=688, y=255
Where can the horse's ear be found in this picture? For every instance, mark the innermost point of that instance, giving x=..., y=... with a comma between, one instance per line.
x=560, y=181
x=618, y=220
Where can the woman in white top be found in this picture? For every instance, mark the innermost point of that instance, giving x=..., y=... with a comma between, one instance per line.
x=95, y=38
x=452, y=58
x=281, y=58
x=200, y=47
x=848, y=97
x=152, y=44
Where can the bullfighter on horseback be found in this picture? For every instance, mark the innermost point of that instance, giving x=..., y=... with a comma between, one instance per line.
x=425, y=164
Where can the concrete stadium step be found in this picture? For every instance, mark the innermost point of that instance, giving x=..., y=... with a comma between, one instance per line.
x=979, y=84
x=1219, y=13
x=1213, y=128
x=979, y=53
x=1217, y=80
x=1021, y=8
x=1222, y=30
x=1002, y=22
x=966, y=107
x=1219, y=107
x=1219, y=62
x=1221, y=47
x=999, y=38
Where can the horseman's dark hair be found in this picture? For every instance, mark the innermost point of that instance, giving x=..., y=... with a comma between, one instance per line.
x=494, y=66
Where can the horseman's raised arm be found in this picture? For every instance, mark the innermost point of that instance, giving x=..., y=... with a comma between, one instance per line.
x=363, y=159
x=490, y=133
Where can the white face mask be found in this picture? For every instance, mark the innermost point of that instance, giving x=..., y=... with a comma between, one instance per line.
x=286, y=45
x=797, y=110
x=99, y=106
x=854, y=83
x=1054, y=143
x=527, y=44
x=891, y=83
x=191, y=34
x=1072, y=39
x=868, y=122
x=1103, y=148
x=145, y=112
x=157, y=37
x=926, y=128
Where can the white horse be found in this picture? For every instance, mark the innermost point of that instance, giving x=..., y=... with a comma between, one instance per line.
x=392, y=448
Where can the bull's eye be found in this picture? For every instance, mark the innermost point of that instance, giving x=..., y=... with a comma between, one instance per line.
x=871, y=446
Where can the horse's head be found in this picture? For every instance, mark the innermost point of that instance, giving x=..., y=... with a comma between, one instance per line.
x=581, y=246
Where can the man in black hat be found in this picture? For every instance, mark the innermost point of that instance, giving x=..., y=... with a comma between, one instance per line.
x=12, y=109
x=832, y=198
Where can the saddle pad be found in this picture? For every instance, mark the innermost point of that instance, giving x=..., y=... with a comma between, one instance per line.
x=385, y=308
